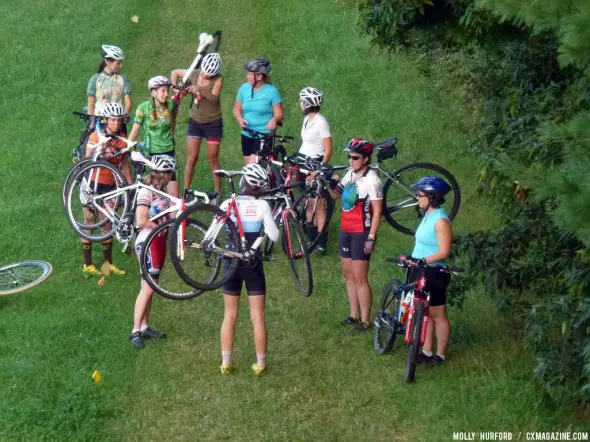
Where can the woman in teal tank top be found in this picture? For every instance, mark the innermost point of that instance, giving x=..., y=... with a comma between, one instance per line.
x=434, y=238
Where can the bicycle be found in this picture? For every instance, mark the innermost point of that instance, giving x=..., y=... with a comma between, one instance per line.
x=217, y=249
x=404, y=310
x=400, y=201
x=269, y=152
x=20, y=276
x=80, y=149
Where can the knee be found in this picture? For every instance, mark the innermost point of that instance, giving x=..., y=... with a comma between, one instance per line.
x=360, y=279
x=230, y=317
x=348, y=274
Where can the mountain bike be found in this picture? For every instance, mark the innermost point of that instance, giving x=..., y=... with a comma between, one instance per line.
x=212, y=254
x=20, y=276
x=404, y=310
x=400, y=201
x=80, y=149
x=271, y=148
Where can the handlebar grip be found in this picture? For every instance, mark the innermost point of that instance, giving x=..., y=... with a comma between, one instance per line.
x=392, y=259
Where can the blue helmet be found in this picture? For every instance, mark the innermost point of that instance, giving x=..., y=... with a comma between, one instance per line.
x=432, y=184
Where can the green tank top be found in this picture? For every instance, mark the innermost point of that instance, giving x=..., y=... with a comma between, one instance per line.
x=157, y=128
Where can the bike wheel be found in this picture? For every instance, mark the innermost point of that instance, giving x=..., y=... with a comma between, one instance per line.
x=401, y=208
x=296, y=252
x=94, y=210
x=69, y=176
x=306, y=209
x=414, y=346
x=169, y=284
x=21, y=276
x=386, y=326
x=205, y=264
x=214, y=46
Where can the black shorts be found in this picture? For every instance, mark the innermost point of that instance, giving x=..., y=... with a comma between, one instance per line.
x=352, y=245
x=252, y=276
x=212, y=132
x=436, y=283
x=251, y=146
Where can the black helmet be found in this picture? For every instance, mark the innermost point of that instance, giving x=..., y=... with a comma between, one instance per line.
x=258, y=65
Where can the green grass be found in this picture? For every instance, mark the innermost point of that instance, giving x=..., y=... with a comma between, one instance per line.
x=322, y=383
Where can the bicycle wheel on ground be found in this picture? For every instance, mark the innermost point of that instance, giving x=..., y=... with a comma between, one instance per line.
x=386, y=326
x=169, y=284
x=200, y=254
x=314, y=216
x=414, y=346
x=93, y=209
x=21, y=276
x=401, y=208
x=296, y=252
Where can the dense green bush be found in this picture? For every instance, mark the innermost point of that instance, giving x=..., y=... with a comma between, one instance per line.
x=524, y=71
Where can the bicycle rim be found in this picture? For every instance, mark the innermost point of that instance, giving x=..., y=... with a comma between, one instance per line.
x=414, y=346
x=205, y=265
x=311, y=220
x=400, y=205
x=386, y=326
x=169, y=284
x=296, y=252
x=70, y=174
x=21, y=276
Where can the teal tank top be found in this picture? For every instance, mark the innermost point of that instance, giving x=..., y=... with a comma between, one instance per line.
x=426, y=241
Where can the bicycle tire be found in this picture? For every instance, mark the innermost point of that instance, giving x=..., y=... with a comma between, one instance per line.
x=411, y=214
x=158, y=286
x=214, y=46
x=13, y=278
x=70, y=173
x=386, y=325
x=74, y=205
x=201, y=216
x=268, y=245
x=296, y=251
x=301, y=211
x=414, y=346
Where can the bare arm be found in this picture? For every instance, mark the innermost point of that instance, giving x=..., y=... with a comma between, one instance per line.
x=327, y=142
x=134, y=131
x=142, y=218
x=176, y=74
x=91, y=104
x=127, y=104
x=377, y=206
x=238, y=114
x=278, y=116
x=212, y=96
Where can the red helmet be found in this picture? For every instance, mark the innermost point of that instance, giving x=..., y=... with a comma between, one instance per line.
x=360, y=145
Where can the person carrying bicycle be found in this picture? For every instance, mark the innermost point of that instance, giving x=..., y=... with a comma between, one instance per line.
x=361, y=191
x=114, y=114
x=205, y=115
x=149, y=204
x=108, y=85
x=315, y=150
x=254, y=214
x=434, y=237
x=258, y=106
x=158, y=117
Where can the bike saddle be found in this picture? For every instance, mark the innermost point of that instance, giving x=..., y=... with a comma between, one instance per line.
x=138, y=157
x=386, y=144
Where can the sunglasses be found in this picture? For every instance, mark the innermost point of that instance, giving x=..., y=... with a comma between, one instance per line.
x=353, y=157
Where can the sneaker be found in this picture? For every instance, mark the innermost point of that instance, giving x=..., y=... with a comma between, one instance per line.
x=226, y=369
x=349, y=321
x=423, y=359
x=321, y=250
x=136, y=340
x=150, y=333
x=117, y=271
x=258, y=369
x=360, y=327
x=437, y=361
x=90, y=271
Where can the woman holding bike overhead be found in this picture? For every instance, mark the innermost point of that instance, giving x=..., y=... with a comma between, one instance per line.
x=108, y=85
x=316, y=149
x=158, y=118
x=254, y=214
x=205, y=116
x=149, y=203
x=434, y=238
x=362, y=193
x=258, y=106
x=113, y=113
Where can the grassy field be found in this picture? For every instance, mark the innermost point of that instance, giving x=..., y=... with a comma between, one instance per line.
x=322, y=383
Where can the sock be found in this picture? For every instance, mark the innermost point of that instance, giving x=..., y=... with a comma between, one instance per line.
x=143, y=327
x=226, y=357
x=427, y=353
x=135, y=330
x=261, y=360
x=87, y=253
x=107, y=251
x=441, y=356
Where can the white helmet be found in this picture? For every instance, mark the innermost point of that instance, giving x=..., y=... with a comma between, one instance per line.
x=158, y=81
x=113, y=52
x=310, y=97
x=112, y=110
x=163, y=163
x=211, y=64
x=255, y=175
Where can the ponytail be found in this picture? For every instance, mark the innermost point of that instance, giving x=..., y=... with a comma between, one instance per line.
x=153, y=115
x=101, y=66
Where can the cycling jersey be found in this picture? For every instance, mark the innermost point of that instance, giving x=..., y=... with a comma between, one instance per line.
x=108, y=89
x=157, y=131
x=426, y=240
x=156, y=203
x=357, y=210
x=313, y=131
x=112, y=146
x=254, y=214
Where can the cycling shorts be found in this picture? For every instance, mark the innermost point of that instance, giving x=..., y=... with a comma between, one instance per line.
x=352, y=245
x=156, y=255
x=436, y=283
x=212, y=132
x=253, y=277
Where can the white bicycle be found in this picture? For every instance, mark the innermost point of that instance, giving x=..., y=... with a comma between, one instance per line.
x=20, y=276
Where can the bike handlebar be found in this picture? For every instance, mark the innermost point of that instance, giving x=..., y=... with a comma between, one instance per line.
x=413, y=263
x=262, y=135
x=82, y=115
